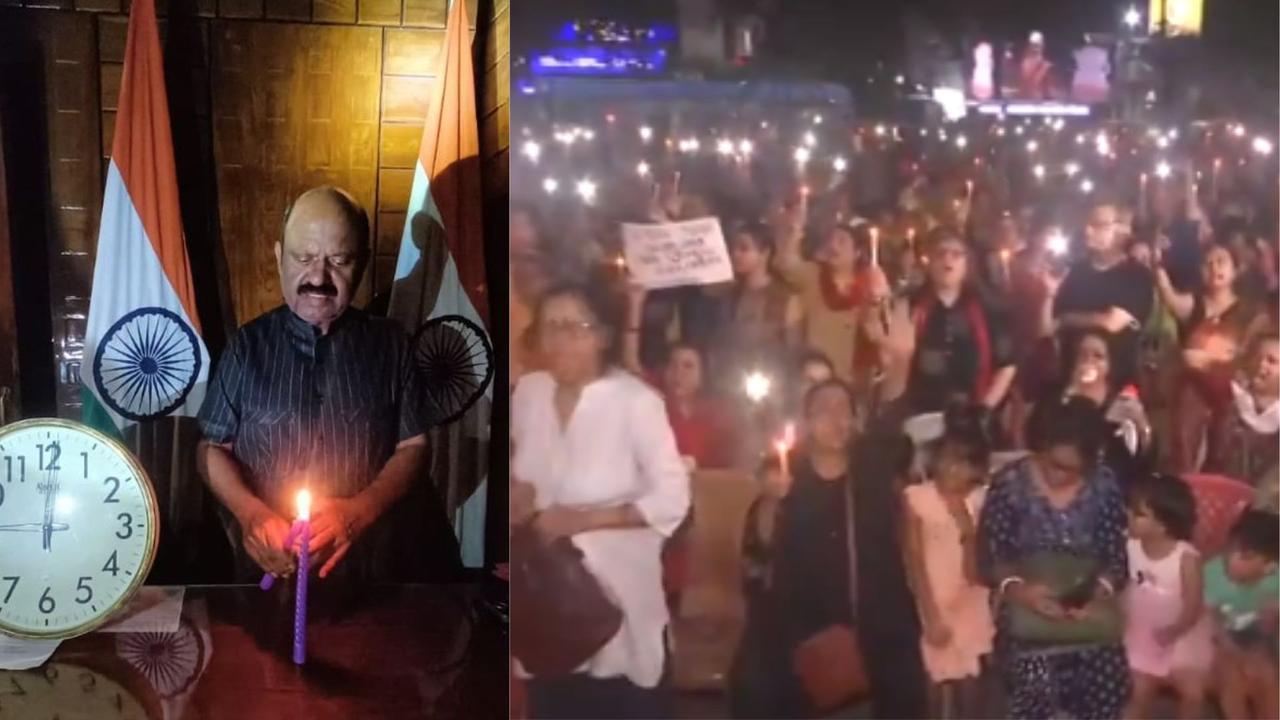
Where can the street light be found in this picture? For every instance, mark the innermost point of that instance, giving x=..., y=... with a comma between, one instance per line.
x=1132, y=17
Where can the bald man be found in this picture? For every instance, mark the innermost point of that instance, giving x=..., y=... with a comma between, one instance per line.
x=316, y=394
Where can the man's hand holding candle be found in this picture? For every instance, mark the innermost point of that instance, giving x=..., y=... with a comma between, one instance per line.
x=265, y=537
x=335, y=525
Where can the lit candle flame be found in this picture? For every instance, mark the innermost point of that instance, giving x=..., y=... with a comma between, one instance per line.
x=303, y=503
x=757, y=386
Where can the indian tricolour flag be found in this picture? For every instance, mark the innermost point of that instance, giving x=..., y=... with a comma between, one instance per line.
x=143, y=355
x=440, y=269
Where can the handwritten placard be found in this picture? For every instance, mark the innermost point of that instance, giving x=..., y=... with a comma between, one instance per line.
x=669, y=255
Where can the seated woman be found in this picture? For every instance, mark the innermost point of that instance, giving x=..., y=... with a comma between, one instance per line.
x=595, y=461
x=1246, y=441
x=1058, y=502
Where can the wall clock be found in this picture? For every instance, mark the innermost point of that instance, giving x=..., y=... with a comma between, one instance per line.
x=78, y=528
x=72, y=691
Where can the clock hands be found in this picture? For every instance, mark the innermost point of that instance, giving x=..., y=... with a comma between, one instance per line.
x=51, y=495
x=34, y=527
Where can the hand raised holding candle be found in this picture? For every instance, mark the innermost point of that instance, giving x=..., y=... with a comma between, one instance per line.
x=336, y=523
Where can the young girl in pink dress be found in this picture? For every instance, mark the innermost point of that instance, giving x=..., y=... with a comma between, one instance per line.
x=941, y=522
x=1168, y=636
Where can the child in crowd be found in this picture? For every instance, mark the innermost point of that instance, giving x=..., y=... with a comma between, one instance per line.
x=1168, y=636
x=941, y=524
x=1241, y=589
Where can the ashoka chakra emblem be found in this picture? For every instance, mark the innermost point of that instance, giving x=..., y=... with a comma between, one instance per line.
x=147, y=363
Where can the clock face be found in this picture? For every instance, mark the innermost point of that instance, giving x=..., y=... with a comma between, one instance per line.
x=78, y=528
x=68, y=692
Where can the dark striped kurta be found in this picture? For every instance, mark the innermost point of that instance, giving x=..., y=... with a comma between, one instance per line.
x=298, y=407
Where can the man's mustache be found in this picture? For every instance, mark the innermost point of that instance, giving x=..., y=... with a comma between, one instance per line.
x=326, y=290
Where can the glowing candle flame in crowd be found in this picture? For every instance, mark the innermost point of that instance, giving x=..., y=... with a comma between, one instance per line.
x=646, y=133
x=1238, y=130
x=745, y=146
x=1038, y=171
x=839, y=164
x=962, y=142
x=1163, y=170
x=1262, y=146
x=724, y=147
x=1086, y=186
x=550, y=185
x=587, y=189
x=1132, y=17
x=757, y=386
x=531, y=150
x=880, y=131
x=1032, y=146
x=817, y=119
x=1057, y=243
x=642, y=169
x=802, y=155
x=810, y=139
x=1071, y=169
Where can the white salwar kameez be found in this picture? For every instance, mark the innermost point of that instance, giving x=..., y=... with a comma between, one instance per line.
x=618, y=448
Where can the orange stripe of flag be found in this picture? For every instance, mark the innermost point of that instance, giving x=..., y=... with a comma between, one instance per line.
x=142, y=149
x=450, y=157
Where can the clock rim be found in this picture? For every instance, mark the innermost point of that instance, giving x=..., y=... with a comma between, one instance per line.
x=153, y=528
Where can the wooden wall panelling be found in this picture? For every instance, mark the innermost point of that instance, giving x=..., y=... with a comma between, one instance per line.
x=294, y=106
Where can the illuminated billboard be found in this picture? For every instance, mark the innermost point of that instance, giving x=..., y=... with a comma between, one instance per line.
x=1185, y=16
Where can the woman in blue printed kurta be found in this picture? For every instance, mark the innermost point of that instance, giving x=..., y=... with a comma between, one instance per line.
x=1060, y=500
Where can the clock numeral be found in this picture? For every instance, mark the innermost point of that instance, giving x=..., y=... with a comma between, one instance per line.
x=46, y=603
x=17, y=689
x=87, y=682
x=85, y=456
x=1, y=494
x=83, y=586
x=115, y=487
x=111, y=566
x=127, y=529
x=13, y=583
x=55, y=452
x=22, y=468
x=50, y=673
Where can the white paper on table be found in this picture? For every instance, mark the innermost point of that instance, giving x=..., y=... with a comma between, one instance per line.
x=151, y=609
x=666, y=255
x=23, y=654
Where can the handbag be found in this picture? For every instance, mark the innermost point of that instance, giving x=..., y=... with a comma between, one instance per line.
x=829, y=663
x=1071, y=579
x=560, y=613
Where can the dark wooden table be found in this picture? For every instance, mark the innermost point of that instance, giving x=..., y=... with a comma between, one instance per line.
x=408, y=651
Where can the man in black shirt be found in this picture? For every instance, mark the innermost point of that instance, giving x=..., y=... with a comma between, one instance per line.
x=1106, y=291
x=316, y=394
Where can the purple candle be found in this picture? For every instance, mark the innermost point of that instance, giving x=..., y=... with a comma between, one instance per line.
x=304, y=568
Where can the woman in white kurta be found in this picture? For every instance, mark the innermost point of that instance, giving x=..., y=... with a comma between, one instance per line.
x=593, y=446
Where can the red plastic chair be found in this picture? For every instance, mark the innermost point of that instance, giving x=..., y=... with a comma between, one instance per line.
x=1219, y=502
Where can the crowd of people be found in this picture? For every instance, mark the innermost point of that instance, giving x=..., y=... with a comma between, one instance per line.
x=1022, y=357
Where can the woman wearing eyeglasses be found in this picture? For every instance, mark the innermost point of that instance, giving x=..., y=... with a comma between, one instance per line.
x=595, y=461
x=1051, y=545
